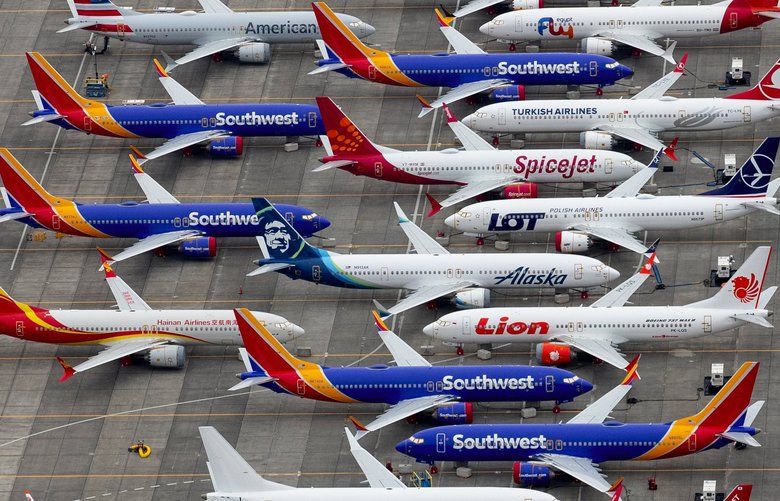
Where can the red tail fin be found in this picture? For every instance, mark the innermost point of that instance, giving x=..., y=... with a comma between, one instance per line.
x=20, y=184
x=616, y=490
x=768, y=88
x=263, y=347
x=731, y=401
x=345, y=137
x=338, y=37
x=740, y=493
x=53, y=88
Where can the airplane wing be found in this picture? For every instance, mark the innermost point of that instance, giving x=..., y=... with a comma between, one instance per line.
x=612, y=234
x=180, y=142
x=126, y=298
x=467, y=137
x=599, y=411
x=114, y=352
x=600, y=348
x=77, y=26
x=205, y=50
x=422, y=296
x=583, y=469
x=474, y=6
x=472, y=190
x=640, y=42
x=155, y=194
x=376, y=473
x=461, y=92
x=647, y=3
x=214, y=7
x=631, y=186
x=399, y=411
x=421, y=241
x=620, y=294
x=658, y=88
x=153, y=242
x=178, y=93
x=639, y=136
x=403, y=354
x=460, y=44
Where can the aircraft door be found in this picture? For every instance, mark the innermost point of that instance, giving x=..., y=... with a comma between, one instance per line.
x=372, y=72
x=518, y=24
x=718, y=212
x=458, y=272
x=441, y=442
x=55, y=222
x=549, y=383
x=384, y=274
x=578, y=270
x=449, y=272
x=378, y=169
x=594, y=68
x=707, y=323
x=87, y=124
x=19, y=329
x=608, y=166
x=312, y=120
x=734, y=19
x=746, y=114
x=570, y=326
x=290, y=217
x=466, y=325
x=487, y=213
x=692, y=442
x=579, y=326
x=301, y=387
x=501, y=116
x=316, y=273
x=120, y=31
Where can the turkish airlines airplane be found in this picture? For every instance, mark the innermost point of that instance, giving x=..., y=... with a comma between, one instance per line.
x=602, y=327
x=638, y=119
x=624, y=211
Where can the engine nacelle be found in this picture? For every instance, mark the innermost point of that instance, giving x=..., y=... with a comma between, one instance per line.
x=554, y=354
x=527, y=4
x=232, y=146
x=531, y=475
x=472, y=298
x=507, y=93
x=598, y=46
x=571, y=242
x=520, y=190
x=458, y=413
x=593, y=140
x=199, y=247
x=171, y=356
x=254, y=53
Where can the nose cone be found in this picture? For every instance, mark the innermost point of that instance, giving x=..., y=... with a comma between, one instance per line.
x=485, y=28
x=612, y=274
x=470, y=121
x=450, y=221
x=366, y=29
x=584, y=386
x=625, y=71
x=403, y=446
x=428, y=330
x=322, y=223
x=297, y=331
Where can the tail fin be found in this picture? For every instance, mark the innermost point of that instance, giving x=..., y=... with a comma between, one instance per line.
x=752, y=179
x=616, y=490
x=280, y=240
x=338, y=37
x=92, y=9
x=264, y=350
x=731, y=401
x=740, y=493
x=53, y=89
x=344, y=136
x=768, y=88
x=743, y=290
x=22, y=188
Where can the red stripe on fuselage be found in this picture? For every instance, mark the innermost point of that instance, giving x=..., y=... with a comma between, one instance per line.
x=98, y=12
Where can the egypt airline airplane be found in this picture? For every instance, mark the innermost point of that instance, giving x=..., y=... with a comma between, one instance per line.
x=624, y=211
x=591, y=437
x=638, y=119
x=185, y=123
x=134, y=329
x=215, y=30
x=602, y=327
x=479, y=169
x=469, y=71
x=160, y=222
x=430, y=273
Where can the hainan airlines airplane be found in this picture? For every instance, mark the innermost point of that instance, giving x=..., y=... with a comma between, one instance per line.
x=601, y=328
x=624, y=211
x=249, y=35
x=135, y=328
x=430, y=273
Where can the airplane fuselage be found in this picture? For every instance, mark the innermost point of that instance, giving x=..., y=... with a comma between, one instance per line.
x=385, y=494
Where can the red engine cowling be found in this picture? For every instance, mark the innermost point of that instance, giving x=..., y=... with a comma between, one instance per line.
x=531, y=475
x=458, y=413
x=571, y=242
x=232, y=146
x=520, y=190
x=554, y=354
x=199, y=247
x=507, y=93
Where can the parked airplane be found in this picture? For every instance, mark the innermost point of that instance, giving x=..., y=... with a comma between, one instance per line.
x=624, y=211
x=589, y=438
x=185, y=123
x=135, y=328
x=741, y=492
x=478, y=169
x=602, y=327
x=249, y=35
x=430, y=274
x=638, y=119
x=469, y=71
x=163, y=221
x=490, y=5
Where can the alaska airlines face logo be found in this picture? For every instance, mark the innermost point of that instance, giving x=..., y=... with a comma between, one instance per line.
x=537, y=68
x=255, y=118
x=549, y=24
x=514, y=221
x=746, y=289
x=521, y=276
x=757, y=171
x=484, y=382
x=503, y=327
x=279, y=240
x=497, y=442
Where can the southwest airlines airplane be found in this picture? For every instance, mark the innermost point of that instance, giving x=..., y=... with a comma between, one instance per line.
x=469, y=71
x=160, y=222
x=185, y=123
x=624, y=211
x=591, y=437
x=430, y=273
x=215, y=30
x=135, y=328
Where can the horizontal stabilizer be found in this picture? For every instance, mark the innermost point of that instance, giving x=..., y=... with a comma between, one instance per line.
x=267, y=268
x=742, y=438
x=333, y=165
x=41, y=119
x=752, y=318
x=13, y=216
x=328, y=67
x=251, y=381
x=760, y=205
x=77, y=26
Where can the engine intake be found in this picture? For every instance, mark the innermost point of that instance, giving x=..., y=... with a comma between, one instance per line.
x=170, y=356
x=554, y=354
x=592, y=45
x=571, y=242
x=472, y=298
x=593, y=140
x=254, y=53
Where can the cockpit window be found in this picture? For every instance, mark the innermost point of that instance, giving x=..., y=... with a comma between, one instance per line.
x=463, y=213
x=611, y=65
x=570, y=380
x=309, y=217
x=415, y=440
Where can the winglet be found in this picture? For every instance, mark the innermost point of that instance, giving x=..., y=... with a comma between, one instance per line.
x=425, y=104
x=681, y=65
x=669, y=151
x=170, y=63
x=435, y=205
x=450, y=116
x=379, y=322
x=650, y=253
x=446, y=11
x=135, y=165
x=741, y=492
x=358, y=424
x=160, y=70
x=381, y=309
x=69, y=371
x=616, y=489
x=137, y=152
x=669, y=53
x=28, y=495
x=443, y=19
x=106, y=261
x=631, y=371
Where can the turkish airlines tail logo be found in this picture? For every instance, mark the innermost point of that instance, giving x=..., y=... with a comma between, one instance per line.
x=768, y=89
x=746, y=289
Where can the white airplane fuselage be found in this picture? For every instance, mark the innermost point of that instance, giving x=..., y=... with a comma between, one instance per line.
x=382, y=494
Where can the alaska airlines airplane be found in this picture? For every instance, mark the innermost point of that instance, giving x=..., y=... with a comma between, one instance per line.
x=135, y=328
x=215, y=30
x=185, y=123
x=602, y=327
x=624, y=211
x=160, y=222
x=469, y=71
x=430, y=273
x=479, y=169
x=589, y=438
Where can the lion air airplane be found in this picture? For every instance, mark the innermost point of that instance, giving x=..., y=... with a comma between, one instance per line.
x=135, y=328
x=602, y=327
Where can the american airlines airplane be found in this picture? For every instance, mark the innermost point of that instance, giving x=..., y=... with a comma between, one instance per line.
x=624, y=211
x=602, y=327
x=638, y=119
x=249, y=35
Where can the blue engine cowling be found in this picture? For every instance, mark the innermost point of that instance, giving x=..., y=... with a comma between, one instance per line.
x=507, y=93
x=232, y=146
x=199, y=247
x=531, y=475
x=459, y=413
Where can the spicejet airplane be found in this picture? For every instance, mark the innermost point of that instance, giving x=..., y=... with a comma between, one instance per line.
x=479, y=169
x=215, y=30
x=135, y=328
x=430, y=274
x=624, y=211
x=589, y=438
x=162, y=221
x=638, y=119
x=602, y=327
x=469, y=71
x=185, y=123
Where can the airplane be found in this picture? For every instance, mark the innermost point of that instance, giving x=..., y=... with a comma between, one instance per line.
x=135, y=328
x=430, y=273
x=161, y=221
x=638, y=26
x=624, y=211
x=492, y=5
x=479, y=169
x=185, y=123
x=741, y=492
x=468, y=72
x=216, y=30
x=638, y=119
x=600, y=328
x=578, y=446
x=235, y=480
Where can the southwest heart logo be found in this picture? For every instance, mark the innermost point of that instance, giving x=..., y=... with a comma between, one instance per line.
x=746, y=289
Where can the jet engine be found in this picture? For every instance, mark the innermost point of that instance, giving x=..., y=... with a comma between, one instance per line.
x=520, y=190
x=507, y=93
x=593, y=140
x=232, y=146
x=571, y=242
x=531, y=474
x=527, y=4
x=472, y=298
x=170, y=356
x=598, y=46
x=458, y=413
x=199, y=247
x=554, y=354
x=254, y=53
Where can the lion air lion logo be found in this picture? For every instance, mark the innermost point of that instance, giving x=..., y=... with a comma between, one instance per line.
x=746, y=289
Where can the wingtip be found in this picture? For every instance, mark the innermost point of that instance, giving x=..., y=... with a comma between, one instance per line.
x=632, y=373
x=670, y=152
x=137, y=152
x=358, y=425
x=616, y=489
x=134, y=164
x=435, y=205
x=159, y=67
x=379, y=322
x=448, y=112
x=68, y=370
x=423, y=102
x=381, y=310
x=444, y=20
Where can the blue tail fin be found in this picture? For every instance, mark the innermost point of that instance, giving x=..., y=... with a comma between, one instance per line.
x=280, y=241
x=753, y=177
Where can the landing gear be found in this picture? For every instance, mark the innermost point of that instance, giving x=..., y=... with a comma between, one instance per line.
x=584, y=295
x=217, y=57
x=512, y=47
x=459, y=351
x=480, y=241
x=187, y=152
x=433, y=469
x=556, y=410
x=739, y=446
x=599, y=91
x=495, y=141
x=126, y=361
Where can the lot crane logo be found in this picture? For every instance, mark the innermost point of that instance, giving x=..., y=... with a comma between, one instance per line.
x=757, y=171
x=746, y=289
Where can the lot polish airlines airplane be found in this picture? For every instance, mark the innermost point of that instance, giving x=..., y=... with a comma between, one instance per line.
x=217, y=29
x=136, y=328
x=479, y=169
x=430, y=273
x=160, y=222
x=469, y=71
x=638, y=119
x=185, y=123
x=602, y=327
x=624, y=211
x=589, y=438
